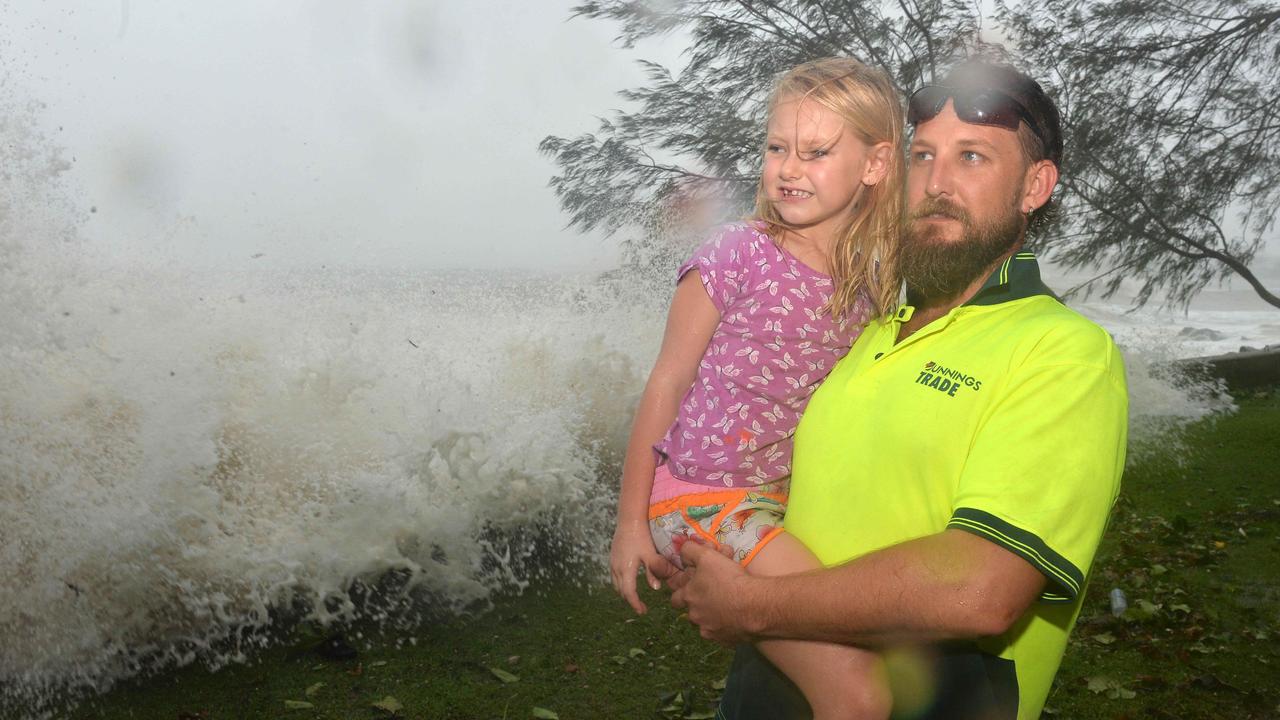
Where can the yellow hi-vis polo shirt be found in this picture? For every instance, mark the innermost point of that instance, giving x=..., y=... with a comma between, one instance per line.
x=1005, y=418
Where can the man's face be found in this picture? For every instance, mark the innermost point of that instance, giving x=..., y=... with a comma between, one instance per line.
x=966, y=184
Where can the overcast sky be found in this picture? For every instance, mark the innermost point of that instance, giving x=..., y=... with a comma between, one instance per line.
x=392, y=133
x=388, y=133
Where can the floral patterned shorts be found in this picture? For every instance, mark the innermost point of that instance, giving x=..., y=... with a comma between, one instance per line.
x=741, y=519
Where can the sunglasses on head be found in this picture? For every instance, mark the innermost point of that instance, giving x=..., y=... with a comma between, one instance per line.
x=980, y=106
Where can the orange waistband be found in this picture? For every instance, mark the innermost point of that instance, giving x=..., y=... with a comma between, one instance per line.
x=714, y=497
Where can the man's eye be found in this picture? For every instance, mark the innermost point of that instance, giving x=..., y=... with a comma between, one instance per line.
x=921, y=156
x=970, y=156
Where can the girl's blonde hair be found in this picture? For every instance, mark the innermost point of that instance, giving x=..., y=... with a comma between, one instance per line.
x=865, y=252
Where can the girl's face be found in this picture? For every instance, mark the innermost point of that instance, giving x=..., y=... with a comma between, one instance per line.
x=815, y=166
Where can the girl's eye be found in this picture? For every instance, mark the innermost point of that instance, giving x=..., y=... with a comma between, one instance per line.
x=773, y=148
x=819, y=153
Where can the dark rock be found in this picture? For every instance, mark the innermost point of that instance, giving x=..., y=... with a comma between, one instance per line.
x=1190, y=333
x=336, y=647
x=1241, y=371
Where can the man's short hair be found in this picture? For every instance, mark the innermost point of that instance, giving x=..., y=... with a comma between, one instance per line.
x=996, y=76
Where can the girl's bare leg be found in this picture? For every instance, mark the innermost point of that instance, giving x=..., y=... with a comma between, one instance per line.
x=840, y=682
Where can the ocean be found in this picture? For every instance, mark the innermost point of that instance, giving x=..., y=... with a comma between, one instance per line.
x=189, y=455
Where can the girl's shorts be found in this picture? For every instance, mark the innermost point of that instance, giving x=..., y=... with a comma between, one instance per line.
x=741, y=519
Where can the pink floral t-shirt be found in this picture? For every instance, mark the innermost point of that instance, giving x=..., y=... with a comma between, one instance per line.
x=775, y=343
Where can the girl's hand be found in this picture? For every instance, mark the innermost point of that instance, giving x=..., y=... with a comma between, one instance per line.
x=633, y=547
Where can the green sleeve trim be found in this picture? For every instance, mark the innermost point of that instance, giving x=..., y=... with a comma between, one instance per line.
x=1065, y=579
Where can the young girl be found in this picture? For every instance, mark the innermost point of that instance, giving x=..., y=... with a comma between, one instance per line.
x=773, y=304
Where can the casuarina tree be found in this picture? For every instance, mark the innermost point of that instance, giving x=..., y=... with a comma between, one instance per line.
x=692, y=138
x=1169, y=112
x=1172, y=113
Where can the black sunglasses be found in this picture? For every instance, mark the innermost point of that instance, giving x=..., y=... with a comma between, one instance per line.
x=980, y=106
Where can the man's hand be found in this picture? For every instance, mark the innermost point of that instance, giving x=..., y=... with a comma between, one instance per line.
x=716, y=591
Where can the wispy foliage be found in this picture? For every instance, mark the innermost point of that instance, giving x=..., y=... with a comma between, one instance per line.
x=1170, y=111
x=1173, y=135
x=695, y=135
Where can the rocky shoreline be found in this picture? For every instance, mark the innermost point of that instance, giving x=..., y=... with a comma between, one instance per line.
x=1247, y=369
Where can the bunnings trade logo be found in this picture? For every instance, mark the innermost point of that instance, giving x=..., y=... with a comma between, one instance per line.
x=946, y=380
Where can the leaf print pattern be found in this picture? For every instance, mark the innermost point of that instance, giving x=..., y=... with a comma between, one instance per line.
x=774, y=344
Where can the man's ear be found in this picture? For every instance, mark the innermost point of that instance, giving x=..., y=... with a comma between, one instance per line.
x=877, y=163
x=1038, y=185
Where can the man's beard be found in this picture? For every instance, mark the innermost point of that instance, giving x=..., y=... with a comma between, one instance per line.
x=935, y=269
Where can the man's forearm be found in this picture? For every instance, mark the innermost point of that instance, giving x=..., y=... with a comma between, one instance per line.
x=947, y=586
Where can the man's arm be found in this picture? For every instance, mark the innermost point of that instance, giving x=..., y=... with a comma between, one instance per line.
x=953, y=585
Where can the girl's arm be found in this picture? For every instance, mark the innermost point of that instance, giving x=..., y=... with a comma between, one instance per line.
x=690, y=324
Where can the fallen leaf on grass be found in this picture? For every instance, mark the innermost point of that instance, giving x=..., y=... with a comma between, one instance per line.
x=636, y=652
x=503, y=675
x=544, y=714
x=297, y=705
x=1152, y=682
x=1098, y=684
x=311, y=691
x=379, y=663
x=389, y=704
x=1113, y=689
x=571, y=668
x=718, y=684
x=1212, y=682
x=1143, y=610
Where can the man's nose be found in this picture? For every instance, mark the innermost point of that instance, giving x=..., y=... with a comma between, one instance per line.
x=940, y=180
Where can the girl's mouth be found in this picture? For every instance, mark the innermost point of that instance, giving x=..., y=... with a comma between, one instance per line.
x=797, y=194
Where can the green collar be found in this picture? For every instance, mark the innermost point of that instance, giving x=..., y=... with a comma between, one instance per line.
x=1017, y=277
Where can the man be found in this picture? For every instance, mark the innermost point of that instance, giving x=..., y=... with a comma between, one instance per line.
x=956, y=470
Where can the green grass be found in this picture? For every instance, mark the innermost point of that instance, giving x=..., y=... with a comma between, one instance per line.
x=1194, y=544
x=580, y=652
